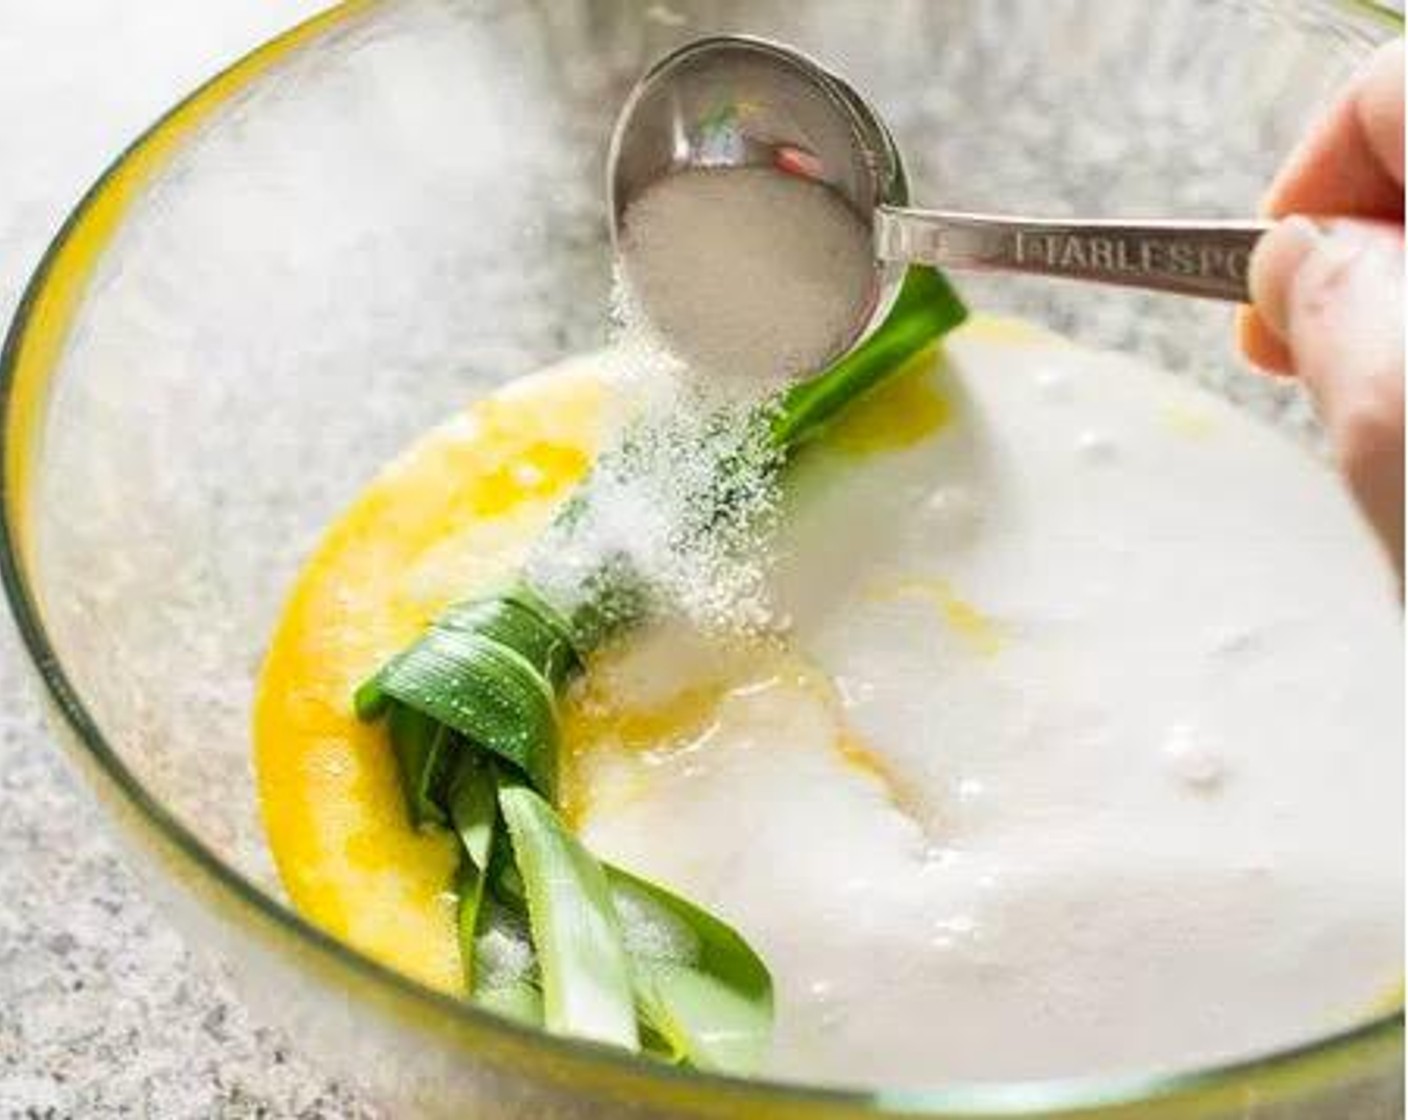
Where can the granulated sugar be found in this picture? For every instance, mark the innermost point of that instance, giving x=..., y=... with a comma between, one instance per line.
x=747, y=273
x=732, y=283
x=681, y=503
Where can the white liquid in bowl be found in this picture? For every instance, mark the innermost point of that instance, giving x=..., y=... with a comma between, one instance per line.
x=1097, y=763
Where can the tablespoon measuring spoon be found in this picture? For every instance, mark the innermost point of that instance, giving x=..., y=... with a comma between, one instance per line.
x=732, y=101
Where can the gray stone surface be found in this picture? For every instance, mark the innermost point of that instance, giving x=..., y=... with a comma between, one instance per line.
x=102, y=1010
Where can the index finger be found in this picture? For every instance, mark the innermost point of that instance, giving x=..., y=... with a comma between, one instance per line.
x=1351, y=163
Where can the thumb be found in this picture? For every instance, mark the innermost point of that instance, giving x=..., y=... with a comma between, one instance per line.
x=1333, y=293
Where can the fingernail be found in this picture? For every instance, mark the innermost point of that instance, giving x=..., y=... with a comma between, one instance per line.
x=1274, y=264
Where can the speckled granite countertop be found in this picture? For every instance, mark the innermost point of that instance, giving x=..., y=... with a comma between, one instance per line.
x=102, y=1011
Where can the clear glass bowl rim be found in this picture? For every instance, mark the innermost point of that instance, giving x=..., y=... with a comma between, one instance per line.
x=32, y=354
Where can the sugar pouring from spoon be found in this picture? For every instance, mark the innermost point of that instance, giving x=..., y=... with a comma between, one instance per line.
x=730, y=102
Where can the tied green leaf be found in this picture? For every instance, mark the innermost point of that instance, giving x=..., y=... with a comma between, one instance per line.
x=702, y=995
x=700, y=987
x=505, y=975
x=474, y=809
x=521, y=621
x=422, y=756
x=490, y=670
x=471, y=895
x=586, y=976
x=369, y=702
x=473, y=812
x=486, y=691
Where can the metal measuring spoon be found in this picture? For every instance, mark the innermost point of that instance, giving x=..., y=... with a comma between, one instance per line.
x=734, y=101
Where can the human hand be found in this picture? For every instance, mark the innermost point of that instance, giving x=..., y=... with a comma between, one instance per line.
x=1327, y=289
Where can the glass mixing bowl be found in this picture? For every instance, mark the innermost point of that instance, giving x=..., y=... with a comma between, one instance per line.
x=396, y=207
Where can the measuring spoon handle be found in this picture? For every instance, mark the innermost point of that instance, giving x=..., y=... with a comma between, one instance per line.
x=1206, y=259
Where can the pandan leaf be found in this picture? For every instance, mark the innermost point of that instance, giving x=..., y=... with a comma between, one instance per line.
x=655, y=1044
x=369, y=702
x=586, y=975
x=926, y=308
x=422, y=756
x=522, y=622
x=500, y=965
x=699, y=985
x=474, y=808
x=505, y=881
x=505, y=977
x=470, y=896
x=484, y=690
